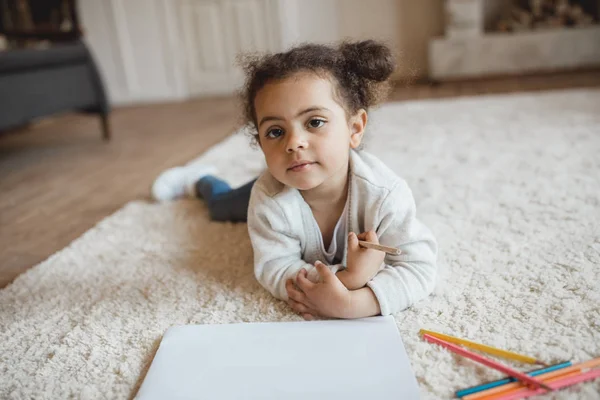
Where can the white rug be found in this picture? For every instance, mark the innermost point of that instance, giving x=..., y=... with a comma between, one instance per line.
x=509, y=184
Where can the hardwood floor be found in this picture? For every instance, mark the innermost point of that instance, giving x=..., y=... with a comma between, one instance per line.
x=58, y=178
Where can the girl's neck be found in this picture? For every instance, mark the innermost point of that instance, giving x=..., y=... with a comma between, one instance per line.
x=330, y=193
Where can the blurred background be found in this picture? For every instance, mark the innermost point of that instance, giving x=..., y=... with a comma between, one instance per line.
x=157, y=50
x=98, y=96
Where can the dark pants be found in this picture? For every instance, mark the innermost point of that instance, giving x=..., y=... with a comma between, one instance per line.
x=224, y=203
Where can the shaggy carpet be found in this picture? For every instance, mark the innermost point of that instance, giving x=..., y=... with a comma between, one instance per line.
x=510, y=185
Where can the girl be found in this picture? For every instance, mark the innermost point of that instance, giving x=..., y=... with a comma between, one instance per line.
x=321, y=193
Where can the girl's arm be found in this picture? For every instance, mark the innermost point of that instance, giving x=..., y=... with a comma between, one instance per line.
x=363, y=303
x=410, y=276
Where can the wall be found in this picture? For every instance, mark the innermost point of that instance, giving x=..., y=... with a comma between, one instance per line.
x=391, y=21
x=162, y=50
x=133, y=43
x=419, y=21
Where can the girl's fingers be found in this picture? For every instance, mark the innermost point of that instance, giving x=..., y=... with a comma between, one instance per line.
x=303, y=282
x=371, y=236
x=294, y=293
x=362, y=236
x=305, y=312
x=324, y=272
x=308, y=317
x=299, y=307
x=289, y=285
x=352, y=241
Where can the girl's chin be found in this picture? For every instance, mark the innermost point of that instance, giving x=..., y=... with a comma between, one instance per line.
x=303, y=185
x=299, y=181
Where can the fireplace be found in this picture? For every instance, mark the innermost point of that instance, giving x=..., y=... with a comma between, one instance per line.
x=526, y=15
x=500, y=37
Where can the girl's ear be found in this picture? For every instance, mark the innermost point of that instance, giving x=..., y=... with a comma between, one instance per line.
x=358, y=123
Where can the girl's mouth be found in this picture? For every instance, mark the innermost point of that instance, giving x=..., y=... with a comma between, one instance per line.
x=301, y=166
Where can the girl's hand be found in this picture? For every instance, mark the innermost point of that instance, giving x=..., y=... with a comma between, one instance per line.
x=363, y=264
x=327, y=298
x=297, y=300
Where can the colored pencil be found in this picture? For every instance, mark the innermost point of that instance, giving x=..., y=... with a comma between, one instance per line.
x=522, y=388
x=576, y=368
x=486, y=361
x=380, y=247
x=500, y=382
x=557, y=383
x=485, y=348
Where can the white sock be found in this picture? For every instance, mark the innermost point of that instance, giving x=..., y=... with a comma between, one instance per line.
x=178, y=182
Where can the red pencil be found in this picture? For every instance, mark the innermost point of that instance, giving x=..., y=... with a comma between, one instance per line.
x=557, y=383
x=490, y=363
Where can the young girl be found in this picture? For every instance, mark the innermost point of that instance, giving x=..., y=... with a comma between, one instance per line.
x=321, y=193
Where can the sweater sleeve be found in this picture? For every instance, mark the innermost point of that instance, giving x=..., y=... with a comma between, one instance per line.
x=277, y=250
x=410, y=276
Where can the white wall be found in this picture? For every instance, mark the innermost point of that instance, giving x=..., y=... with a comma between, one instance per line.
x=327, y=21
x=159, y=50
x=132, y=43
x=215, y=32
x=419, y=22
x=99, y=29
x=378, y=19
x=317, y=21
x=406, y=26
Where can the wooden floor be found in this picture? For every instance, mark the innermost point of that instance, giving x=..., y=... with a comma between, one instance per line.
x=58, y=178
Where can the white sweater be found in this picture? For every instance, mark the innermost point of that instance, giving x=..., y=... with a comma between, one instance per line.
x=286, y=238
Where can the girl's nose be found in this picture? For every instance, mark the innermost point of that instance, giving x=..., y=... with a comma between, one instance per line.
x=296, y=141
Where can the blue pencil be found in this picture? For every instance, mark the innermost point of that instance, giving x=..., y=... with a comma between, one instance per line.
x=486, y=386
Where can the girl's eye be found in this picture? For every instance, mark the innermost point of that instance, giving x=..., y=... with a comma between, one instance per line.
x=316, y=123
x=274, y=133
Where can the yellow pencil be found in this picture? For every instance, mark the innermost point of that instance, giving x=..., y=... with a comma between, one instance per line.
x=486, y=349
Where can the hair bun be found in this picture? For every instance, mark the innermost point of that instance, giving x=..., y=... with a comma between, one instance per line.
x=369, y=59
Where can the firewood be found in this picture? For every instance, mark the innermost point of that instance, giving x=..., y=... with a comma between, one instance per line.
x=503, y=26
x=556, y=22
x=585, y=20
x=576, y=12
x=516, y=26
x=562, y=7
x=522, y=17
x=536, y=7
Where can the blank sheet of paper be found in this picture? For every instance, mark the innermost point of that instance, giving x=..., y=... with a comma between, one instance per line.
x=339, y=359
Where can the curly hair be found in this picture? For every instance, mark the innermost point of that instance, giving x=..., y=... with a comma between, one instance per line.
x=359, y=72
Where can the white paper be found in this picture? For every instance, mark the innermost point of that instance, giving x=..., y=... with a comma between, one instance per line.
x=338, y=359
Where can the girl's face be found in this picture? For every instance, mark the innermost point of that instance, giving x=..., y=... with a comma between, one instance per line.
x=304, y=133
